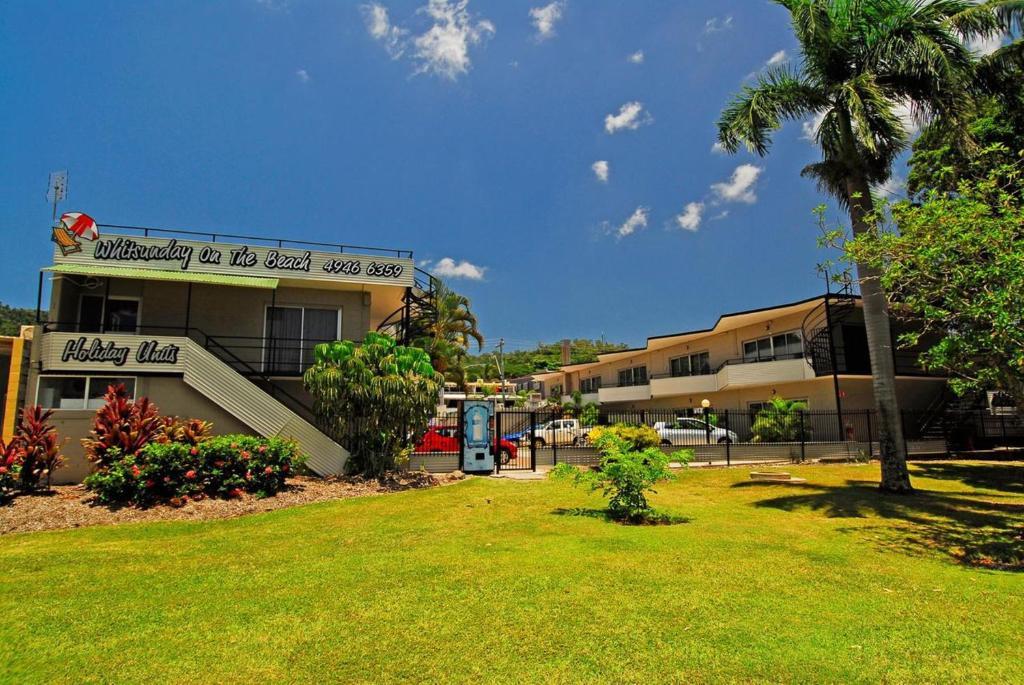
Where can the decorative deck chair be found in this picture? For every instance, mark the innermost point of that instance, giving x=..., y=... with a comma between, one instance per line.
x=65, y=241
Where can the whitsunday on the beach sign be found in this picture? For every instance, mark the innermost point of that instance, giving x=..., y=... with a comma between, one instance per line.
x=239, y=260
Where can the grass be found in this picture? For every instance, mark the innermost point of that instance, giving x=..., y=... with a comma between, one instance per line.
x=490, y=580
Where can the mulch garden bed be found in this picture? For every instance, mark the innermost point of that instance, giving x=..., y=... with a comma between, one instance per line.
x=72, y=506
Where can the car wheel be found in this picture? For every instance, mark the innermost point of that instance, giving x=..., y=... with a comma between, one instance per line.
x=505, y=454
x=539, y=444
x=666, y=443
x=725, y=441
x=580, y=441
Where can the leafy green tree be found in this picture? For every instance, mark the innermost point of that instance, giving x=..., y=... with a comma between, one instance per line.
x=545, y=357
x=861, y=61
x=373, y=398
x=13, y=318
x=955, y=268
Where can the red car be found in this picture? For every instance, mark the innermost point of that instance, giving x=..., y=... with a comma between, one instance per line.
x=444, y=439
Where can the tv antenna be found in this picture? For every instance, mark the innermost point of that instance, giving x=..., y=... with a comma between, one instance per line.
x=57, y=189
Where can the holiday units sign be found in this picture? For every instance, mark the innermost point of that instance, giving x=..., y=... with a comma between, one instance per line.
x=240, y=260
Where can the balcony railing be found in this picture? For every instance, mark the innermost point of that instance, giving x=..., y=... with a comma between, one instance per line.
x=148, y=231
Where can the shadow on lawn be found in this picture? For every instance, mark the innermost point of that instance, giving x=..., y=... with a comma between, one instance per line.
x=972, y=527
x=657, y=519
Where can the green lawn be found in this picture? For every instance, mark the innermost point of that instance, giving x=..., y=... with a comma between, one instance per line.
x=507, y=581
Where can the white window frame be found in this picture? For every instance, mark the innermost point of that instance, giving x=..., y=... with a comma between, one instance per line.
x=88, y=380
x=771, y=341
x=302, y=324
x=103, y=312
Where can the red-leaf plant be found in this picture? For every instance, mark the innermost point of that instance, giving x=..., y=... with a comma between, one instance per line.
x=121, y=423
x=36, y=439
x=10, y=465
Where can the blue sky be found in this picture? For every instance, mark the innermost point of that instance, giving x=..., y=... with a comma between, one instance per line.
x=461, y=132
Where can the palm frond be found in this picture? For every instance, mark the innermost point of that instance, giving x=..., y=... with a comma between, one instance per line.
x=780, y=94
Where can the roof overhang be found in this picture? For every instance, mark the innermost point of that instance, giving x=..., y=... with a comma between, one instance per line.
x=164, y=275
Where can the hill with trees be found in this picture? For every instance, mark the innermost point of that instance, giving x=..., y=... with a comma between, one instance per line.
x=13, y=318
x=544, y=357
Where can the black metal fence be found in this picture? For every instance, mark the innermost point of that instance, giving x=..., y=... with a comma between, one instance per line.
x=529, y=439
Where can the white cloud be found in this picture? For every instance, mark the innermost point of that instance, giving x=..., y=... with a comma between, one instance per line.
x=893, y=189
x=691, y=217
x=544, y=18
x=302, y=75
x=717, y=24
x=778, y=58
x=910, y=122
x=378, y=23
x=601, y=170
x=449, y=268
x=810, y=127
x=636, y=221
x=986, y=45
x=721, y=215
x=718, y=148
x=631, y=116
x=740, y=187
x=443, y=49
x=637, y=57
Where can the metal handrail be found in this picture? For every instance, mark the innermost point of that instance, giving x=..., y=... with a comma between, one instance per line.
x=279, y=242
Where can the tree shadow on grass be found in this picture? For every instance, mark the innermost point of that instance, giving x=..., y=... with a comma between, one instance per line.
x=971, y=527
x=999, y=477
x=658, y=518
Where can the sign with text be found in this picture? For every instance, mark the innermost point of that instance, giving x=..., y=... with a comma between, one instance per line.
x=240, y=260
x=120, y=351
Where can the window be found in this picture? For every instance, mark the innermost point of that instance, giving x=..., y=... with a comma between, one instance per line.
x=781, y=346
x=634, y=376
x=691, y=365
x=78, y=392
x=109, y=315
x=293, y=332
x=590, y=385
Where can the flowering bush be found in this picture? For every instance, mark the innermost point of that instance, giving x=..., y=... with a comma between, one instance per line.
x=640, y=437
x=225, y=466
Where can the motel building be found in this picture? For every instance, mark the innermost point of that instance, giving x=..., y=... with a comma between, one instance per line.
x=208, y=326
x=814, y=350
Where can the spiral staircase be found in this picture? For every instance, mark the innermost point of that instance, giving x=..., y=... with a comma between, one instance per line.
x=825, y=356
x=417, y=306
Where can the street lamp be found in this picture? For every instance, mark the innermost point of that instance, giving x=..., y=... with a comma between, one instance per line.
x=706, y=404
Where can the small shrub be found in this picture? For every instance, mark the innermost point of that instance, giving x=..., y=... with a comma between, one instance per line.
x=36, y=440
x=185, y=431
x=780, y=422
x=627, y=475
x=639, y=437
x=122, y=424
x=564, y=471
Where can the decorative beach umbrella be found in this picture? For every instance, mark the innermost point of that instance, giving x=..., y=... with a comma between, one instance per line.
x=82, y=225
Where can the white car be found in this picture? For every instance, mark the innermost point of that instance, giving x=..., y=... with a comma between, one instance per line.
x=689, y=431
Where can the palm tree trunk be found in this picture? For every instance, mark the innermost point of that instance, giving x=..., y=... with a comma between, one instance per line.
x=895, y=476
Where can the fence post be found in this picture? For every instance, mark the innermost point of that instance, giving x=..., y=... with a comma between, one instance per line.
x=533, y=443
x=461, y=430
x=871, y=446
x=803, y=438
x=1002, y=425
x=903, y=429
x=728, y=441
x=496, y=445
x=643, y=417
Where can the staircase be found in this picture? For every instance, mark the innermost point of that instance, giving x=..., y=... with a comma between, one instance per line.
x=255, y=407
x=818, y=327
x=417, y=306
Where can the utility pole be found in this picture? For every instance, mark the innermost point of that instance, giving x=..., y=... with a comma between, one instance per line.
x=500, y=361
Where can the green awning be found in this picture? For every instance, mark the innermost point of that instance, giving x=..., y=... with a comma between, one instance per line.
x=163, y=275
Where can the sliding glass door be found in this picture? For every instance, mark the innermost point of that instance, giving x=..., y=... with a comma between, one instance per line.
x=291, y=335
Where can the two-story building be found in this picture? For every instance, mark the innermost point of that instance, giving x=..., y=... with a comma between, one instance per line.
x=218, y=327
x=813, y=350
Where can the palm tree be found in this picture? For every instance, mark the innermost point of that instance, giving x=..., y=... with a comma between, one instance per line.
x=861, y=62
x=448, y=331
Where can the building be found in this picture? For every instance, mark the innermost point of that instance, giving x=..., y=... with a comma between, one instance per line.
x=814, y=350
x=217, y=327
